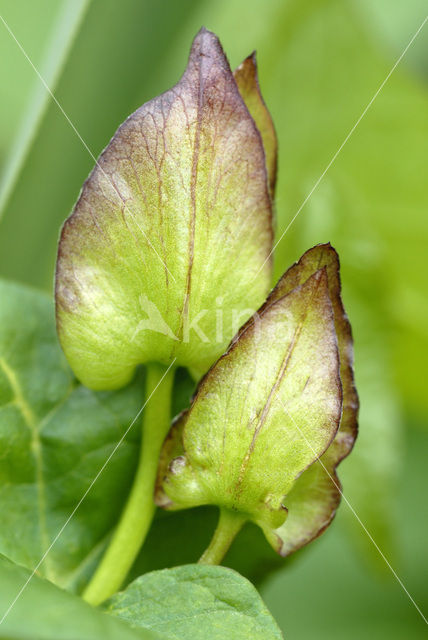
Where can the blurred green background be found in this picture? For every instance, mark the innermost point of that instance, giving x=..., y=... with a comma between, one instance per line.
x=320, y=63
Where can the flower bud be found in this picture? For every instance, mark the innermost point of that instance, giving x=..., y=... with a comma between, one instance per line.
x=315, y=496
x=269, y=409
x=176, y=214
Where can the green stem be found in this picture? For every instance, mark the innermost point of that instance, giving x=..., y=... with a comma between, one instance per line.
x=138, y=513
x=229, y=525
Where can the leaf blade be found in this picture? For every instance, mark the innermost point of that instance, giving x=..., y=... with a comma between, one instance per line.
x=53, y=614
x=195, y=602
x=55, y=436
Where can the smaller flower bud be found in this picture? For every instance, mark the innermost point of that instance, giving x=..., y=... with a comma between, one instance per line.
x=269, y=409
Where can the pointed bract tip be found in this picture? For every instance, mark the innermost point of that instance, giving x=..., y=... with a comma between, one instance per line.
x=248, y=66
x=253, y=59
x=328, y=248
x=206, y=44
x=205, y=34
x=323, y=245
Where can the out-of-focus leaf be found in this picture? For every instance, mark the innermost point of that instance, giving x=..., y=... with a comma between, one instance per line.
x=196, y=602
x=179, y=195
x=393, y=29
x=371, y=475
x=64, y=31
x=320, y=66
x=17, y=76
x=45, y=612
x=55, y=437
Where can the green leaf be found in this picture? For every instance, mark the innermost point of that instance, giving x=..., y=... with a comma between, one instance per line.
x=55, y=436
x=65, y=28
x=196, y=602
x=244, y=440
x=45, y=612
x=179, y=195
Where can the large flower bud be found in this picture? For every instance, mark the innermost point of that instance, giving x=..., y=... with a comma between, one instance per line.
x=172, y=229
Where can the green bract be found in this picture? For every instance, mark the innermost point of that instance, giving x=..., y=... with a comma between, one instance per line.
x=166, y=251
x=268, y=409
x=248, y=84
x=315, y=496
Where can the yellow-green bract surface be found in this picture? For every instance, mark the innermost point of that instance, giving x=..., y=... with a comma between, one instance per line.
x=172, y=230
x=261, y=437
